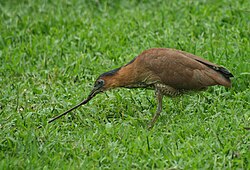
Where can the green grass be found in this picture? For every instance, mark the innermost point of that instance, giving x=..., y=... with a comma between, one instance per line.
x=51, y=52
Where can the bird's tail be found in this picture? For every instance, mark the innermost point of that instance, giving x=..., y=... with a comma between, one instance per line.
x=224, y=72
x=219, y=69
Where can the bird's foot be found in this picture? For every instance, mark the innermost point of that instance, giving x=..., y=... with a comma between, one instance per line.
x=151, y=125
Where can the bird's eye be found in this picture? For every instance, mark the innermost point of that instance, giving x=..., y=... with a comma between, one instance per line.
x=99, y=83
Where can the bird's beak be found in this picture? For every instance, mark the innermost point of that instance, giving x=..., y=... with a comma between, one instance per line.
x=94, y=92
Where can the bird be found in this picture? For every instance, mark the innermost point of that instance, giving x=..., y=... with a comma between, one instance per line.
x=167, y=71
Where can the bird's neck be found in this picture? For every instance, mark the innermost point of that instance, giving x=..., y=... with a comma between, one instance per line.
x=124, y=77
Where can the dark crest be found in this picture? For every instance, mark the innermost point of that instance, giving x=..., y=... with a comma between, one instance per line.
x=131, y=61
x=113, y=72
x=110, y=73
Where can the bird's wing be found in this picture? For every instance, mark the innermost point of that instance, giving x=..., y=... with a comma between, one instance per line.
x=202, y=60
x=213, y=66
x=181, y=71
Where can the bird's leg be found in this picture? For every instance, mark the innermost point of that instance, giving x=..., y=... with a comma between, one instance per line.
x=159, y=108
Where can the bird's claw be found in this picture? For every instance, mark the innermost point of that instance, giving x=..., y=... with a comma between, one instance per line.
x=150, y=125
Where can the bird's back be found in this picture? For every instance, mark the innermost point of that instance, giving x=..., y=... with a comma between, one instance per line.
x=180, y=70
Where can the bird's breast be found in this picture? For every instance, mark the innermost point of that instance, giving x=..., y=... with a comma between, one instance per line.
x=168, y=90
x=141, y=85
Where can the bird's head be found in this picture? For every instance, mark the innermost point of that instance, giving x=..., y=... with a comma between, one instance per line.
x=99, y=87
x=105, y=82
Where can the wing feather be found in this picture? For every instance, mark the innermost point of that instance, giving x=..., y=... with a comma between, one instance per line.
x=181, y=70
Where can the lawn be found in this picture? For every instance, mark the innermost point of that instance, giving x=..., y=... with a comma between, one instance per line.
x=51, y=52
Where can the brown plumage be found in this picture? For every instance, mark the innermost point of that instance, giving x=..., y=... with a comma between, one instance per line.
x=169, y=72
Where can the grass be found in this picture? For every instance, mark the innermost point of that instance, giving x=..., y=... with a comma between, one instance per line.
x=52, y=52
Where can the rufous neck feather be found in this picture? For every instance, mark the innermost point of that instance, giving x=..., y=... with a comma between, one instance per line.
x=123, y=77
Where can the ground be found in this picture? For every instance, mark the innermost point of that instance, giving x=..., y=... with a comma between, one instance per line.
x=51, y=52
